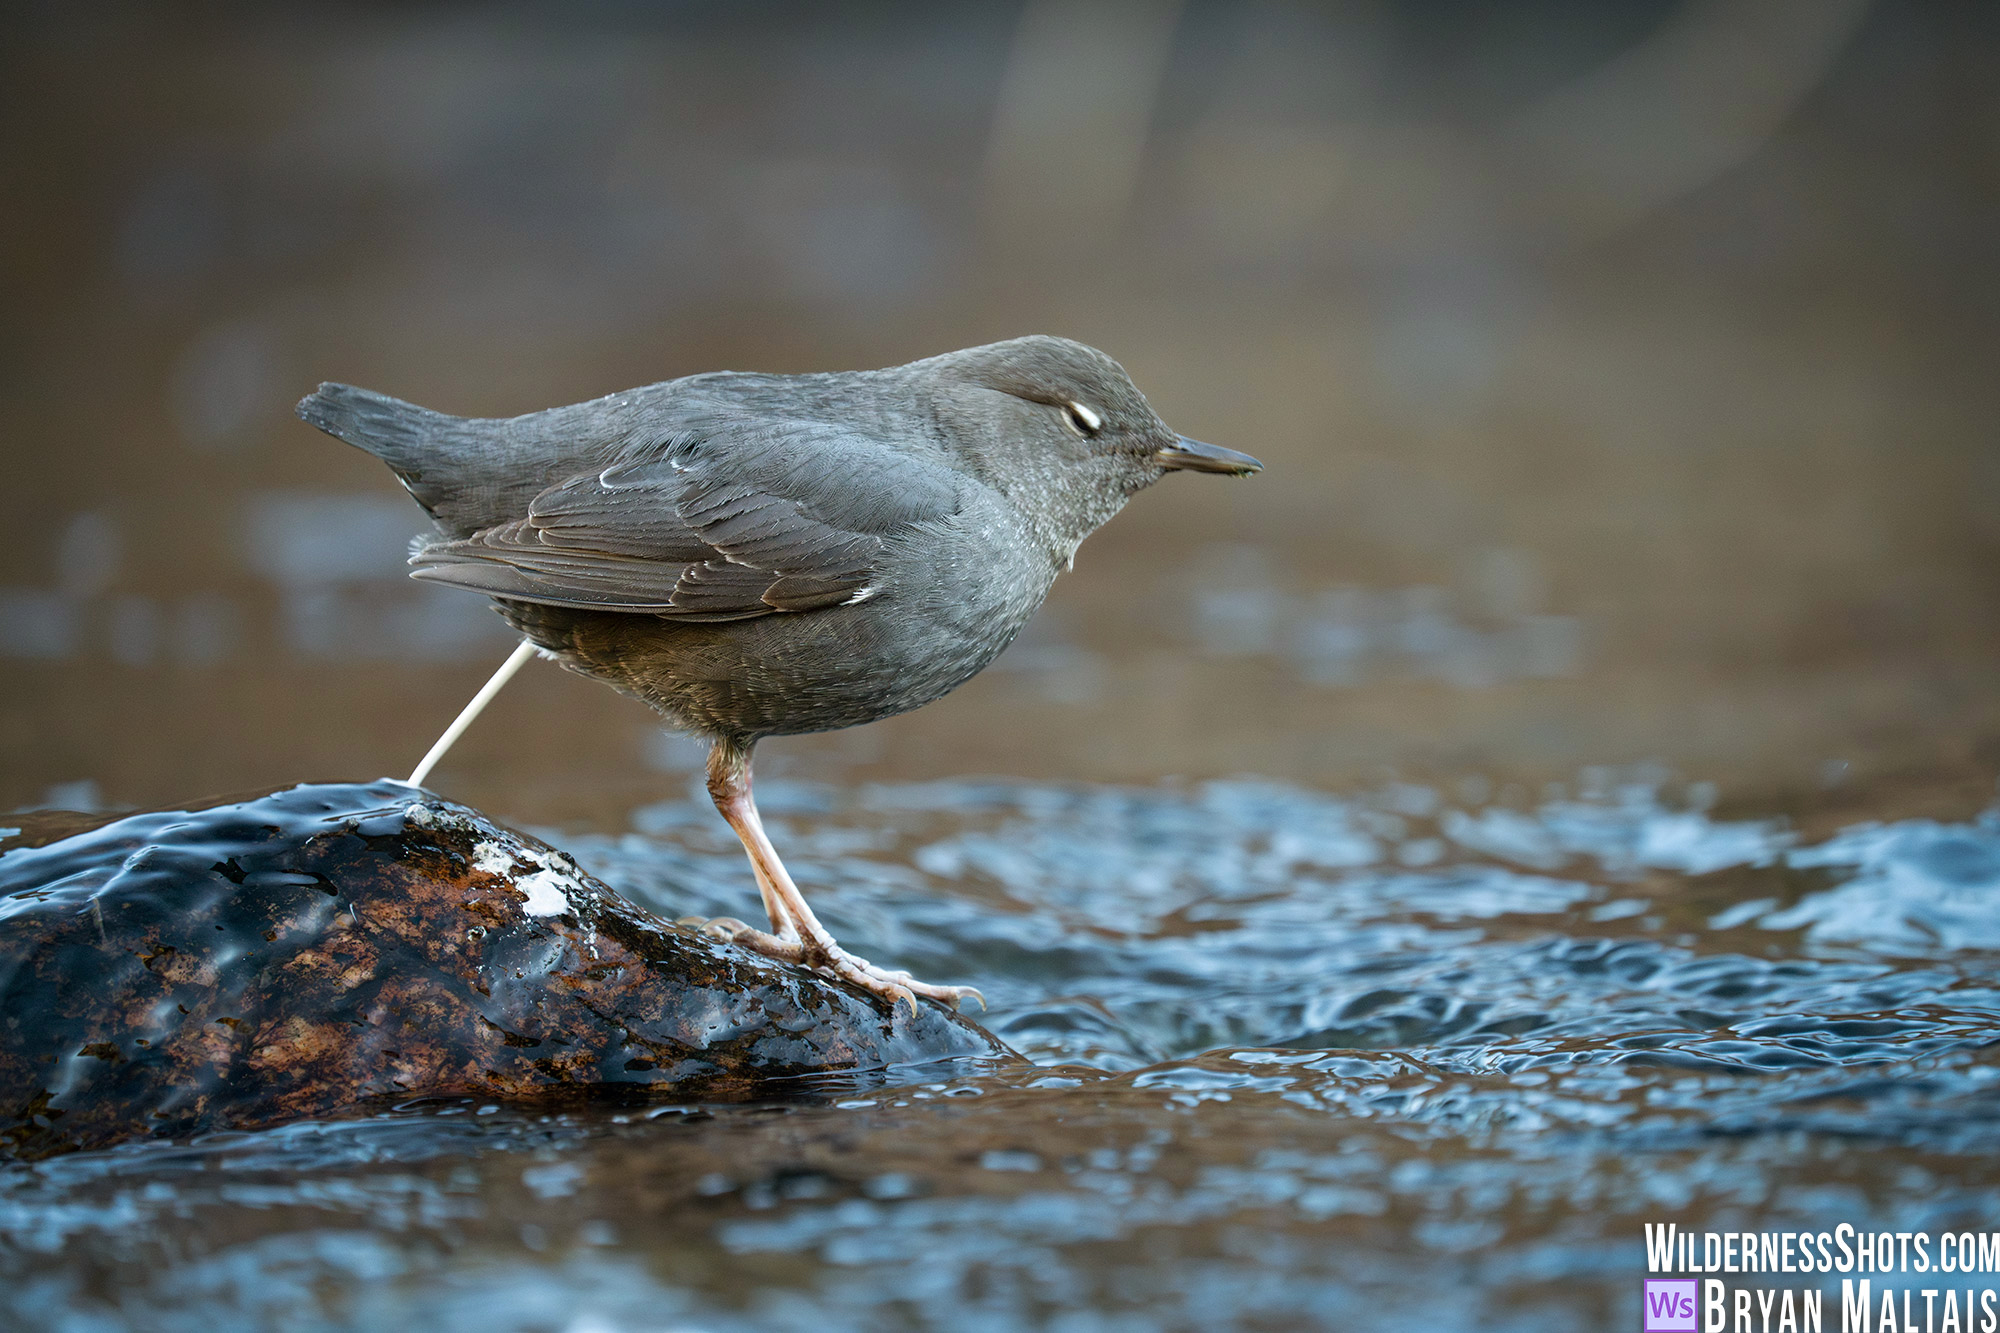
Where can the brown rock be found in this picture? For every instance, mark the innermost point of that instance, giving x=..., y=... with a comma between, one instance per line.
x=311, y=949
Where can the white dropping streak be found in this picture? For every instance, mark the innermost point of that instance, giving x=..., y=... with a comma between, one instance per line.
x=544, y=892
x=492, y=858
x=522, y=652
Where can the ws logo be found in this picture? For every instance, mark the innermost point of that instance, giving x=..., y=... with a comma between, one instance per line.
x=1670, y=1307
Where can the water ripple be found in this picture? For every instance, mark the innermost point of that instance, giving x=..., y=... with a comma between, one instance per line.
x=1298, y=1060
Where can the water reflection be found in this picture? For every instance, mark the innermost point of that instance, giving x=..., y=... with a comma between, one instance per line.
x=1397, y=1060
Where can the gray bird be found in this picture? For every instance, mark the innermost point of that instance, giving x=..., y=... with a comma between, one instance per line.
x=765, y=555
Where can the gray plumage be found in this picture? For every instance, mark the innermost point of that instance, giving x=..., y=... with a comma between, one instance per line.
x=761, y=555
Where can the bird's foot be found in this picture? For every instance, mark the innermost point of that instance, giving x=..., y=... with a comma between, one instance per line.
x=819, y=953
x=729, y=928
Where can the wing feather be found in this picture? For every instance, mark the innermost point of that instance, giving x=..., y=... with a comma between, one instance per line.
x=712, y=527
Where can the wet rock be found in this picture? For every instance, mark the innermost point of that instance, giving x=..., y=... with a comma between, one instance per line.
x=311, y=949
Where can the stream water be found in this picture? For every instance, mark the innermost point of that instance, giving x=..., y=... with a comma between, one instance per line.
x=1416, y=1059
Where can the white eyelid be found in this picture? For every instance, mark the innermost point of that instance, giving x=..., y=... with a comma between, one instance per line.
x=1090, y=419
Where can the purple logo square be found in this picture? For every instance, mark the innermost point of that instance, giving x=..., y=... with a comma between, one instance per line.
x=1670, y=1306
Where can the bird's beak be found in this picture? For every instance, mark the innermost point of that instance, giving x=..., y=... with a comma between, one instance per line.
x=1193, y=456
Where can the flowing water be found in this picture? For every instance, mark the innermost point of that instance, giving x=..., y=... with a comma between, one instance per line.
x=1414, y=1059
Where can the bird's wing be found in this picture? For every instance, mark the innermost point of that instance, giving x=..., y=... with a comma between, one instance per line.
x=719, y=525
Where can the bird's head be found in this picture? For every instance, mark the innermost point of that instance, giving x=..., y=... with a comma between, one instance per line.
x=1061, y=429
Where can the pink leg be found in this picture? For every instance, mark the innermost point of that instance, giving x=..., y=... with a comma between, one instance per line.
x=796, y=936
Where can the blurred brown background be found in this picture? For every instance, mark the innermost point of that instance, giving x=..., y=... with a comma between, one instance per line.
x=1624, y=373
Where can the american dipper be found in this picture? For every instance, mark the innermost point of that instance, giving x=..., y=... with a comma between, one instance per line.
x=765, y=555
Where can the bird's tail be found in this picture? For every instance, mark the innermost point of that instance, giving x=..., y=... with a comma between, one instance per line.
x=467, y=472
x=401, y=434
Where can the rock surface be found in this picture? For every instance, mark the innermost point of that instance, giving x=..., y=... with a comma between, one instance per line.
x=311, y=949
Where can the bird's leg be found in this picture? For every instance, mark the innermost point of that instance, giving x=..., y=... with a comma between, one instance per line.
x=796, y=936
x=782, y=941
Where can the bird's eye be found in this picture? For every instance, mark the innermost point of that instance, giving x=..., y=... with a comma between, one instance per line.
x=1082, y=420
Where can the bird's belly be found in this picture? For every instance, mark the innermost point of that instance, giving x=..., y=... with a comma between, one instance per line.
x=872, y=661
x=787, y=674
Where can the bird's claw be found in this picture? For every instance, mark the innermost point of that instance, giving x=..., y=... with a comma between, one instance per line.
x=823, y=956
x=830, y=960
x=894, y=986
x=717, y=927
